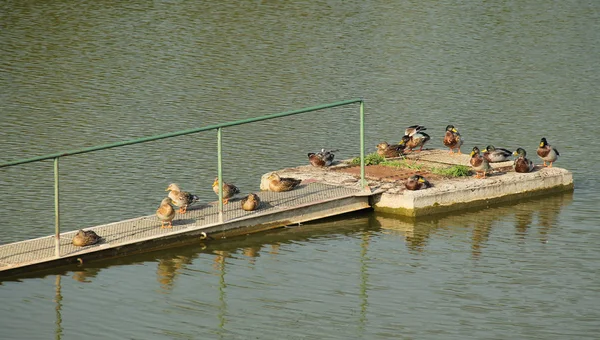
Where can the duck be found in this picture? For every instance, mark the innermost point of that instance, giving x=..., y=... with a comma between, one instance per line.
x=478, y=163
x=390, y=150
x=182, y=199
x=547, y=152
x=251, y=202
x=322, y=158
x=413, y=129
x=280, y=184
x=417, y=139
x=165, y=213
x=417, y=182
x=229, y=190
x=453, y=139
x=522, y=164
x=85, y=238
x=494, y=155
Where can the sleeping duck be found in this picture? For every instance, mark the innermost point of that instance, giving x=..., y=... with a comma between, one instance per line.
x=390, y=150
x=165, y=213
x=416, y=182
x=322, y=158
x=85, y=238
x=229, y=190
x=479, y=164
x=182, y=199
x=547, y=152
x=280, y=184
x=494, y=155
x=251, y=202
x=522, y=164
x=453, y=139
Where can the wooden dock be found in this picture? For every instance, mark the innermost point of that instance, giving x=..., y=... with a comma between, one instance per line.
x=199, y=224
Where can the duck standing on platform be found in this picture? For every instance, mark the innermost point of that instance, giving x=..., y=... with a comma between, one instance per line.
x=547, y=152
x=390, y=150
x=522, y=164
x=229, y=190
x=279, y=184
x=453, y=139
x=182, y=199
x=494, y=155
x=322, y=158
x=417, y=182
x=85, y=238
x=478, y=163
x=251, y=202
x=165, y=213
x=414, y=137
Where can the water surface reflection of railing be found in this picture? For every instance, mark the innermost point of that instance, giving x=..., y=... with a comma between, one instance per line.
x=219, y=127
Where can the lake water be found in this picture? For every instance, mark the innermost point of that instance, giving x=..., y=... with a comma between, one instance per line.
x=506, y=73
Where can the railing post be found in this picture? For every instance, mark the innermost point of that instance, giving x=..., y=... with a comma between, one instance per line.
x=363, y=181
x=220, y=173
x=56, y=211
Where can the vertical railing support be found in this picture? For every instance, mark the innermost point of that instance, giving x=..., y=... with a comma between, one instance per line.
x=56, y=211
x=363, y=181
x=220, y=172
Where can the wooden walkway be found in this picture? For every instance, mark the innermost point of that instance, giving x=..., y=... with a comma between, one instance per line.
x=307, y=202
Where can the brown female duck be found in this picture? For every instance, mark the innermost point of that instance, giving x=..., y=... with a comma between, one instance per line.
x=251, y=202
x=279, y=184
x=229, y=190
x=165, y=213
x=85, y=238
x=182, y=199
x=390, y=150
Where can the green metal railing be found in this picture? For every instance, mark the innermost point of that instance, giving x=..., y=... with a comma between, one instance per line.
x=219, y=127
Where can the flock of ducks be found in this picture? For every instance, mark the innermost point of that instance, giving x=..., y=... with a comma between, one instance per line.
x=414, y=137
x=480, y=162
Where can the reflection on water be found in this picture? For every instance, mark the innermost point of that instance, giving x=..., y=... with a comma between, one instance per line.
x=480, y=222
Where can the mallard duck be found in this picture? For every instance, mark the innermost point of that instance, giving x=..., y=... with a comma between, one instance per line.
x=165, y=213
x=250, y=202
x=411, y=130
x=417, y=139
x=182, y=199
x=322, y=158
x=390, y=150
x=416, y=182
x=479, y=164
x=279, y=184
x=229, y=190
x=547, y=152
x=453, y=139
x=85, y=238
x=522, y=164
x=494, y=155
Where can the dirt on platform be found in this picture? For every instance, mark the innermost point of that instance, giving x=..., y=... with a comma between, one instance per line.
x=388, y=173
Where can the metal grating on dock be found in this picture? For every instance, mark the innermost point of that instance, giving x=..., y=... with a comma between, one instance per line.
x=148, y=227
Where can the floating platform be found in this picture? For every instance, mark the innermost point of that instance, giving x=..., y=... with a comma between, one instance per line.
x=324, y=192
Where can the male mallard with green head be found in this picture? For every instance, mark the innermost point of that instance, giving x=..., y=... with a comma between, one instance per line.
x=478, y=163
x=453, y=139
x=547, y=152
x=85, y=238
x=182, y=199
x=416, y=182
x=165, y=213
x=522, y=164
x=279, y=184
x=494, y=155
x=229, y=190
x=390, y=150
x=251, y=202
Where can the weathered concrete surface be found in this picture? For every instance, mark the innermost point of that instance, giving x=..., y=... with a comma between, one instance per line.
x=447, y=194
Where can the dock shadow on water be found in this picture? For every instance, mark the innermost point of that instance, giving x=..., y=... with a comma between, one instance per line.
x=531, y=218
